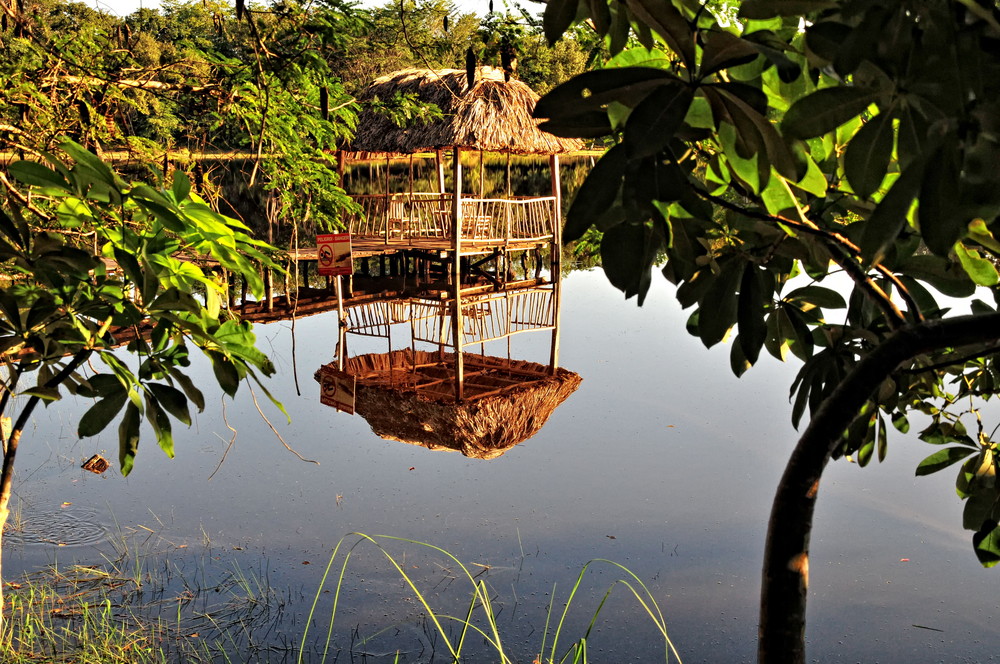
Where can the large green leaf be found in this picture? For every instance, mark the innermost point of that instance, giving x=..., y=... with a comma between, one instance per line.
x=99, y=416
x=596, y=194
x=128, y=438
x=653, y=123
x=750, y=312
x=941, y=220
x=667, y=21
x=825, y=110
x=171, y=399
x=718, y=309
x=723, y=50
x=981, y=270
x=627, y=255
x=33, y=173
x=987, y=544
x=558, y=16
x=592, y=90
x=942, y=459
x=866, y=159
x=890, y=217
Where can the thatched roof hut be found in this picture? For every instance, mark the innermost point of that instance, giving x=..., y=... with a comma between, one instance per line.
x=494, y=116
x=482, y=428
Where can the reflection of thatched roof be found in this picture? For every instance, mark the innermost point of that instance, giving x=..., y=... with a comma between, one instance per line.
x=525, y=395
x=493, y=116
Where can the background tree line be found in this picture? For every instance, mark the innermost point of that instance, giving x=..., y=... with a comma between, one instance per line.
x=275, y=82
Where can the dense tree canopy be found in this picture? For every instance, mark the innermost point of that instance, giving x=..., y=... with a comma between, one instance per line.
x=803, y=139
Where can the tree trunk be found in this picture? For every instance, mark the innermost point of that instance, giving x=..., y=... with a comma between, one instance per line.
x=785, y=581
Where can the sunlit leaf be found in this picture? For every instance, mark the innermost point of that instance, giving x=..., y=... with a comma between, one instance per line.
x=942, y=459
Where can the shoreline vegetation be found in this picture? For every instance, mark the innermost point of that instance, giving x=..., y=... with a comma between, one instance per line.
x=137, y=608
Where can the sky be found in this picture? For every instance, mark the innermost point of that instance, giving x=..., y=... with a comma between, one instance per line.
x=124, y=7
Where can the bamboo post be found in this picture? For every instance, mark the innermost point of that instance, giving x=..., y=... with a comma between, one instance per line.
x=439, y=159
x=456, y=319
x=268, y=289
x=386, y=207
x=556, y=261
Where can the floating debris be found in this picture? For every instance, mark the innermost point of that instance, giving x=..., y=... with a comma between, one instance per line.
x=96, y=464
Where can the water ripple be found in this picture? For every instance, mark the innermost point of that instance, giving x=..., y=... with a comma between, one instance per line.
x=67, y=526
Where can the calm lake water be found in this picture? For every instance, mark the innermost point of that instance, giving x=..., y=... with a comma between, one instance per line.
x=661, y=461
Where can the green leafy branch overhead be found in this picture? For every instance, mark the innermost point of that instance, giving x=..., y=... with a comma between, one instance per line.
x=765, y=154
x=66, y=304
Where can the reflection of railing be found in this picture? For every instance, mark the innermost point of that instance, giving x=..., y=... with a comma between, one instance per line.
x=429, y=215
x=486, y=317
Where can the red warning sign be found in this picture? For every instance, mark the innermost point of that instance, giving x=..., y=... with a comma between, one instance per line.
x=333, y=252
x=337, y=389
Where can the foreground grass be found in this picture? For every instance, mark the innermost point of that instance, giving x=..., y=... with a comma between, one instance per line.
x=75, y=615
x=119, y=613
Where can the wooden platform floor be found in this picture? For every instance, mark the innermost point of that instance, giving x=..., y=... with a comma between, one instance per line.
x=362, y=247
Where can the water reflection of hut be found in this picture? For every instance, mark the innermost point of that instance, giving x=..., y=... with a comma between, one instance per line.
x=400, y=395
x=448, y=398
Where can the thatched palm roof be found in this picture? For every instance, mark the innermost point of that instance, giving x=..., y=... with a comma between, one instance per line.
x=482, y=428
x=494, y=116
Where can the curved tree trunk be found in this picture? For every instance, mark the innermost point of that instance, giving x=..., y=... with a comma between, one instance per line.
x=785, y=581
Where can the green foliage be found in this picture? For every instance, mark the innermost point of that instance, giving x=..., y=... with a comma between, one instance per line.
x=755, y=151
x=135, y=283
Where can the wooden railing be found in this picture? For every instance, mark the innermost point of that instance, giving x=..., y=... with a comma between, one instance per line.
x=429, y=215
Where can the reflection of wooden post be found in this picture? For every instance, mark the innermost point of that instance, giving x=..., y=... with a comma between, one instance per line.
x=341, y=326
x=556, y=260
x=456, y=318
x=556, y=319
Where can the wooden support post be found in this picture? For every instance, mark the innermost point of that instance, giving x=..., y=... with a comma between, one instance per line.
x=457, y=324
x=230, y=288
x=388, y=202
x=243, y=294
x=268, y=289
x=439, y=159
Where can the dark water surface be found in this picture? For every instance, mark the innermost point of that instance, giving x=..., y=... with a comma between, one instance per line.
x=661, y=461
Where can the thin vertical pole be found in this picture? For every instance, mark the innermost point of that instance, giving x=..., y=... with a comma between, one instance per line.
x=439, y=158
x=556, y=261
x=387, y=203
x=456, y=318
x=482, y=176
x=341, y=325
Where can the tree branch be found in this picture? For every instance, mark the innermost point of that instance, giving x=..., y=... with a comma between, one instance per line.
x=786, y=559
x=842, y=251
